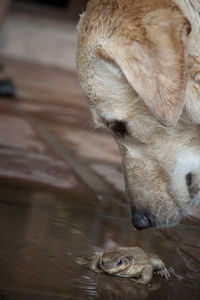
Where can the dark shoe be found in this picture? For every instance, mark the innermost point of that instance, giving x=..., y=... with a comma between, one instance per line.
x=7, y=88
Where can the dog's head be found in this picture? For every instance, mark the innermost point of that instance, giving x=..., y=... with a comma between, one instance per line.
x=132, y=67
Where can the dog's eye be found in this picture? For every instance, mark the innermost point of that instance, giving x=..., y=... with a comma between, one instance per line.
x=189, y=179
x=119, y=128
x=188, y=28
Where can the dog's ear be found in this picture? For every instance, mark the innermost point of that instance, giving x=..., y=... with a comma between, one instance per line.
x=154, y=64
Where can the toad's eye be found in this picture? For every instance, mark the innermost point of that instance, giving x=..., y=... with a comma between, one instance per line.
x=119, y=262
x=119, y=128
x=103, y=263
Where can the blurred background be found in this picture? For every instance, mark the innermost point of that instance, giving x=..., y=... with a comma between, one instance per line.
x=40, y=31
x=38, y=42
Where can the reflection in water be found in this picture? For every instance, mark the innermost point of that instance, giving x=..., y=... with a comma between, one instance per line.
x=46, y=239
x=89, y=287
x=106, y=287
x=192, y=264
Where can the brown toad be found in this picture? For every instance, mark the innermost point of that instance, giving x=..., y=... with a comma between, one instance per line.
x=129, y=262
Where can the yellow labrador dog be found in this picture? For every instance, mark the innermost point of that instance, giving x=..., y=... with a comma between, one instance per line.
x=139, y=67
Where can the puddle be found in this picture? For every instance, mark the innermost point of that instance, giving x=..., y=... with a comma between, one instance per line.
x=46, y=239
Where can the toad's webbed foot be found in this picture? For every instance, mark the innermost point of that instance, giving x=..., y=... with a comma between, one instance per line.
x=164, y=273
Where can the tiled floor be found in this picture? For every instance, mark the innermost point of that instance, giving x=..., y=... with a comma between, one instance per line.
x=62, y=196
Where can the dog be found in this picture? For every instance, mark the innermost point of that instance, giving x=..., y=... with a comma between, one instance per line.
x=139, y=68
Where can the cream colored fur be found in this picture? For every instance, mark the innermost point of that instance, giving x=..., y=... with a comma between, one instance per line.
x=139, y=63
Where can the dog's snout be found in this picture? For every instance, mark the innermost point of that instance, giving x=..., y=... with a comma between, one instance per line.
x=141, y=219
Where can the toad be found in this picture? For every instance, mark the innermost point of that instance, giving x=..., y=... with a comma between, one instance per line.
x=129, y=262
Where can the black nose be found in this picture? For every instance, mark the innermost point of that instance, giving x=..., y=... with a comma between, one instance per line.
x=141, y=219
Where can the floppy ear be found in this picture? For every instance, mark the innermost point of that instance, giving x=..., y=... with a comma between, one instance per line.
x=154, y=64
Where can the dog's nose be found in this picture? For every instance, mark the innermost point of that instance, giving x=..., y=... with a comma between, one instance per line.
x=141, y=219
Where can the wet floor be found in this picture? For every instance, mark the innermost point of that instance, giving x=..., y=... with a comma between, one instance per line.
x=47, y=238
x=62, y=195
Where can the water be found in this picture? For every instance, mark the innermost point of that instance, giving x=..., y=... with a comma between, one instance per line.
x=46, y=238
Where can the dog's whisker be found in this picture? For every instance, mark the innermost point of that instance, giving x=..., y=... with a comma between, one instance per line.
x=84, y=130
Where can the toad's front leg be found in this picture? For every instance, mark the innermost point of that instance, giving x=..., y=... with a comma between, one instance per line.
x=94, y=263
x=159, y=266
x=146, y=275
